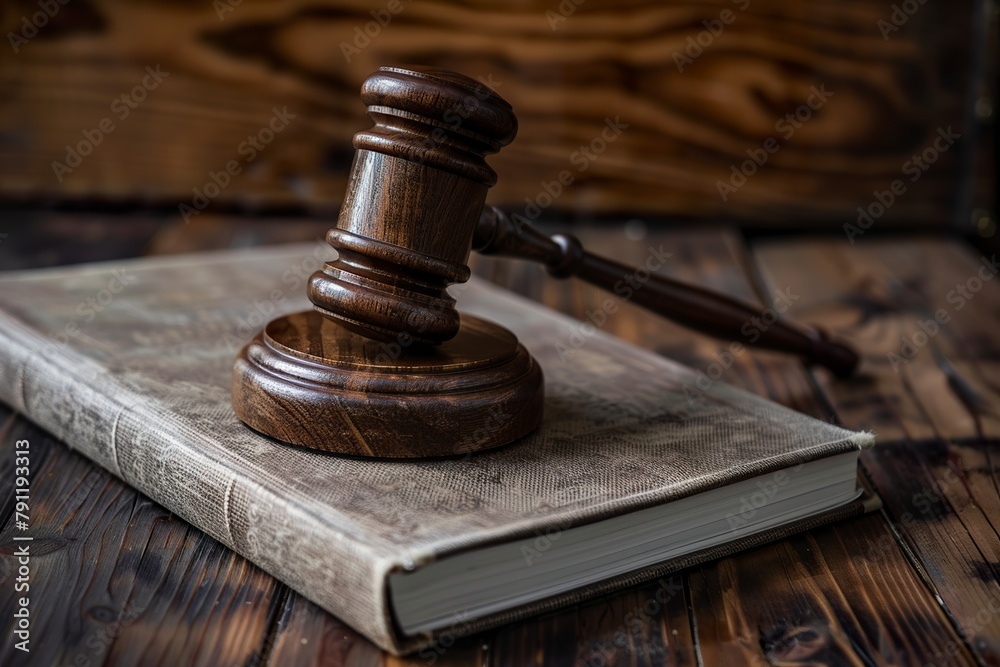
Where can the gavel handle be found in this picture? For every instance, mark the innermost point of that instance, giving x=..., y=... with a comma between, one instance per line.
x=700, y=309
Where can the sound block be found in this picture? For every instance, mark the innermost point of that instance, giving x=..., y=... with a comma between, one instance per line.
x=309, y=381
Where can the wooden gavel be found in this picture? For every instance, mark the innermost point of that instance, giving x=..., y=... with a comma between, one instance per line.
x=414, y=209
x=406, y=228
x=694, y=307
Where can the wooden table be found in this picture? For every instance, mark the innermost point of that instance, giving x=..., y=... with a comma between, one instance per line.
x=913, y=585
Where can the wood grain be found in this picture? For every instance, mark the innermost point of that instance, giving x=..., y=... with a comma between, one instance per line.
x=937, y=415
x=942, y=498
x=688, y=125
x=885, y=297
x=822, y=603
x=308, y=381
x=418, y=186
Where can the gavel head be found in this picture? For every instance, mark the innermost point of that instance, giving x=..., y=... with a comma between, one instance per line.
x=417, y=189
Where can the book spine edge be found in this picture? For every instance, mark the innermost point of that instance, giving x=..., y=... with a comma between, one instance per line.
x=340, y=574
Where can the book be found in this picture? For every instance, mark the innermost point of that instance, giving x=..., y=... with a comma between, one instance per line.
x=639, y=468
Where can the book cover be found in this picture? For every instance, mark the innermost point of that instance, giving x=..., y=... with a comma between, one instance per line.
x=130, y=364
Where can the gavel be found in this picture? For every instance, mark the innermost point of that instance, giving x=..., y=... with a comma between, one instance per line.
x=415, y=208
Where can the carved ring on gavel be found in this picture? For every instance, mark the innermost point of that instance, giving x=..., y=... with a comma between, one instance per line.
x=447, y=385
x=415, y=207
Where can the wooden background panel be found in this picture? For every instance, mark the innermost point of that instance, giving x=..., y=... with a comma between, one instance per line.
x=232, y=62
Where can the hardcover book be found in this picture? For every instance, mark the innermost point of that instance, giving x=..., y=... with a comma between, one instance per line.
x=637, y=469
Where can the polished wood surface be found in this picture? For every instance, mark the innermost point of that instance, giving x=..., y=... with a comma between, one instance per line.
x=417, y=188
x=307, y=380
x=567, y=67
x=913, y=585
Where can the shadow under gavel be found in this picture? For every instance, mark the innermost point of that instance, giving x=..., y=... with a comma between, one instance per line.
x=694, y=307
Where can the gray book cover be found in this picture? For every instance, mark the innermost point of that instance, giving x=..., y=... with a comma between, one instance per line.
x=130, y=362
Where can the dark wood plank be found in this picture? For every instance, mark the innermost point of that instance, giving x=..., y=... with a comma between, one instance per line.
x=824, y=600
x=645, y=625
x=307, y=636
x=937, y=416
x=883, y=295
x=942, y=498
x=690, y=124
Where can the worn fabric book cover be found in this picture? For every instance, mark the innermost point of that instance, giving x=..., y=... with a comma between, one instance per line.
x=130, y=363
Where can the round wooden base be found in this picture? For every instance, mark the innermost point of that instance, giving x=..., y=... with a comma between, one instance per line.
x=309, y=381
